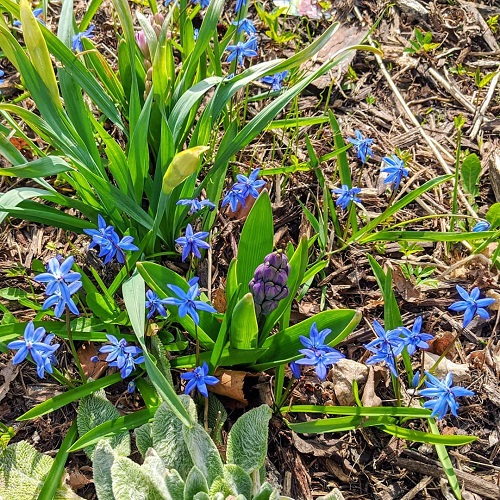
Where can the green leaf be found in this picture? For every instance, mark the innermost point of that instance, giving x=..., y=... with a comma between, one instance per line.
x=70, y=396
x=244, y=330
x=247, y=440
x=114, y=427
x=42, y=167
x=54, y=477
x=360, y=411
x=425, y=437
x=134, y=296
x=339, y=424
x=195, y=483
x=283, y=347
x=256, y=240
x=471, y=170
x=492, y=216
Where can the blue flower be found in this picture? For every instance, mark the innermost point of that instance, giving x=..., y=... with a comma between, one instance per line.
x=192, y=242
x=129, y=362
x=396, y=170
x=482, y=225
x=443, y=394
x=36, y=12
x=203, y=3
x=131, y=387
x=109, y=241
x=118, y=350
x=33, y=343
x=198, y=379
x=187, y=302
x=196, y=34
x=385, y=347
x=346, y=196
x=76, y=41
x=276, y=80
x=414, y=339
x=155, y=305
x=195, y=205
x=295, y=369
x=316, y=340
x=242, y=49
x=245, y=25
x=233, y=197
x=2, y=81
x=239, y=5
x=471, y=304
x=58, y=275
x=320, y=359
x=248, y=186
x=61, y=299
x=362, y=145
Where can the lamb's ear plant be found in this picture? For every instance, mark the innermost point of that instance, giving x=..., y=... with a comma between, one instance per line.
x=182, y=461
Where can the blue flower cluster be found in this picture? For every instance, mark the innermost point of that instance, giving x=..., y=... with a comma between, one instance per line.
x=109, y=242
x=38, y=345
x=317, y=353
x=120, y=355
x=241, y=190
x=61, y=284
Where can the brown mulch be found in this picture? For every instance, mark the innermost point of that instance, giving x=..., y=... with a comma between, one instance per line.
x=365, y=463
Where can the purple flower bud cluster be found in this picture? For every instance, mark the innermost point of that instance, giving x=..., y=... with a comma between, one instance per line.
x=268, y=285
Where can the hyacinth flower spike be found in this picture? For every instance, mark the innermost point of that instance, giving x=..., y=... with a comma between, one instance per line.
x=471, y=304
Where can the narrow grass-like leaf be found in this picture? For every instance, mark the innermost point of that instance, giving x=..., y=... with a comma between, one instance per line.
x=54, y=477
x=70, y=396
x=339, y=424
x=134, y=295
x=424, y=236
x=444, y=458
x=391, y=411
x=114, y=427
x=42, y=167
x=426, y=437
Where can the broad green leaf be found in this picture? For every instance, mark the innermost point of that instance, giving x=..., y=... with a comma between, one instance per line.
x=37, y=49
x=470, y=172
x=256, y=240
x=492, y=216
x=284, y=346
x=244, y=330
x=247, y=440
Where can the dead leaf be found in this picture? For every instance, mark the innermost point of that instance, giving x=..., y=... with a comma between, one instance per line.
x=342, y=376
x=78, y=480
x=95, y=370
x=9, y=373
x=369, y=398
x=460, y=372
x=231, y=384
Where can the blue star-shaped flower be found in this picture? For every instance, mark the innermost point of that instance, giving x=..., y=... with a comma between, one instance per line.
x=385, y=347
x=414, y=339
x=245, y=25
x=396, y=170
x=195, y=205
x=443, y=394
x=362, y=145
x=346, y=196
x=320, y=359
x=233, y=197
x=2, y=81
x=187, y=303
x=203, y=3
x=110, y=244
x=239, y=5
x=471, y=304
x=482, y=225
x=117, y=350
x=242, y=49
x=36, y=12
x=199, y=378
x=192, y=242
x=76, y=40
x=276, y=80
x=249, y=186
x=155, y=305
x=61, y=299
x=58, y=274
x=295, y=369
x=316, y=340
x=33, y=343
x=129, y=362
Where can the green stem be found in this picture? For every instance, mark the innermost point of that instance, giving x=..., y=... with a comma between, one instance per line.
x=454, y=205
x=73, y=349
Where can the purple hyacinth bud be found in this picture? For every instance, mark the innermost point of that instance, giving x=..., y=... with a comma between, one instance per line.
x=268, y=285
x=141, y=41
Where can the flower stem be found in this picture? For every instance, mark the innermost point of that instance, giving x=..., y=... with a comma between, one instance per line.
x=73, y=349
x=197, y=345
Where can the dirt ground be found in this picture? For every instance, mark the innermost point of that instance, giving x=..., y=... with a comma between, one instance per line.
x=401, y=101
